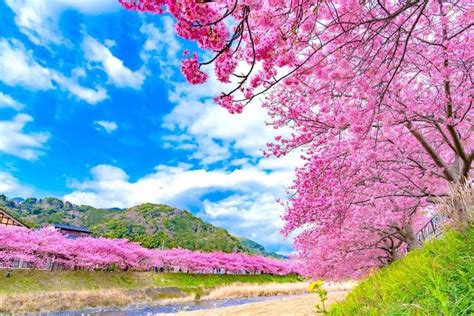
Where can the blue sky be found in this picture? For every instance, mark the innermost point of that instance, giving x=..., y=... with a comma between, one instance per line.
x=94, y=110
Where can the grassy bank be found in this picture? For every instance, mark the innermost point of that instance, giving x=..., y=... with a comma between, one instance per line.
x=27, y=281
x=32, y=290
x=437, y=279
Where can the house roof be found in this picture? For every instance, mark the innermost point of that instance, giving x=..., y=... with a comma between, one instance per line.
x=81, y=229
x=14, y=218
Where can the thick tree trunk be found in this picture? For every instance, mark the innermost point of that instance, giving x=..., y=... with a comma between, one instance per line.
x=392, y=247
x=393, y=254
x=410, y=237
x=459, y=207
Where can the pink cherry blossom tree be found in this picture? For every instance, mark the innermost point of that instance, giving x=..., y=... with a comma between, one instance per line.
x=378, y=95
x=47, y=247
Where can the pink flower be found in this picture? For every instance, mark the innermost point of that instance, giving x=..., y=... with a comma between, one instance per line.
x=190, y=69
x=225, y=66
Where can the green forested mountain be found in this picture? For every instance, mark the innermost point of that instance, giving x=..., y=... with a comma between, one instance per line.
x=255, y=248
x=152, y=225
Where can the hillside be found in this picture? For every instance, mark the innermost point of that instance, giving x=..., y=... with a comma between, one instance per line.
x=155, y=226
x=255, y=248
x=437, y=279
x=152, y=225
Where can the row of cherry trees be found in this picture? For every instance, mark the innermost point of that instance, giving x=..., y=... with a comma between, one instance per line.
x=377, y=93
x=45, y=247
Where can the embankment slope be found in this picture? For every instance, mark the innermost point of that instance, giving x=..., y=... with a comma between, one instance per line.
x=437, y=279
x=34, y=290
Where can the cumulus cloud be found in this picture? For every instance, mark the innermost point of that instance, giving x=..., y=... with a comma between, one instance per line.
x=209, y=151
x=216, y=133
x=255, y=216
x=161, y=40
x=91, y=96
x=206, y=121
x=110, y=43
x=118, y=74
x=250, y=211
x=11, y=186
x=19, y=68
x=161, y=46
x=15, y=141
x=110, y=186
x=196, y=114
x=213, y=137
x=7, y=101
x=108, y=126
x=38, y=19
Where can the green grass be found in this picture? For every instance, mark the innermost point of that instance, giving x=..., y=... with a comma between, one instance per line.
x=29, y=281
x=437, y=279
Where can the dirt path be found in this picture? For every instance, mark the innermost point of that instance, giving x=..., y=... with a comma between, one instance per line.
x=296, y=306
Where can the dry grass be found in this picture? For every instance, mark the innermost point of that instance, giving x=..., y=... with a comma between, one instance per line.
x=270, y=289
x=289, y=306
x=70, y=300
x=35, y=290
x=249, y=290
x=62, y=300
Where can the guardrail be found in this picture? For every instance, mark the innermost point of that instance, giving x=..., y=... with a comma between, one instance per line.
x=432, y=229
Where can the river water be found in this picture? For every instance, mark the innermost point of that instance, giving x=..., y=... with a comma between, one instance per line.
x=151, y=309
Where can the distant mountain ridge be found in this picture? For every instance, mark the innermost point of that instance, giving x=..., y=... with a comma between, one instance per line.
x=151, y=225
x=256, y=248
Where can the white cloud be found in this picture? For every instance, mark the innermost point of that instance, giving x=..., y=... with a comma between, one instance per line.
x=210, y=134
x=209, y=151
x=90, y=6
x=108, y=126
x=19, y=68
x=216, y=132
x=38, y=19
x=10, y=186
x=110, y=43
x=7, y=101
x=195, y=114
x=15, y=141
x=161, y=40
x=255, y=216
x=109, y=185
x=117, y=72
x=251, y=211
x=91, y=96
x=162, y=46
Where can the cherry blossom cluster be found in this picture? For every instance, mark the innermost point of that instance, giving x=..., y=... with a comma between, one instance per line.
x=46, y=248
x=190, y=69
x=378, y=96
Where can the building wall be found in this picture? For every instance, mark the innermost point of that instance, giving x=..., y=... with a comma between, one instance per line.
x=7, y=220
x=73, y=233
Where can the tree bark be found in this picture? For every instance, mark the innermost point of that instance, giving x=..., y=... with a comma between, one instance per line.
x=411, y=240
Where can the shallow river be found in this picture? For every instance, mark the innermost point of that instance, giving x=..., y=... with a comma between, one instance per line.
x=151, y=309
